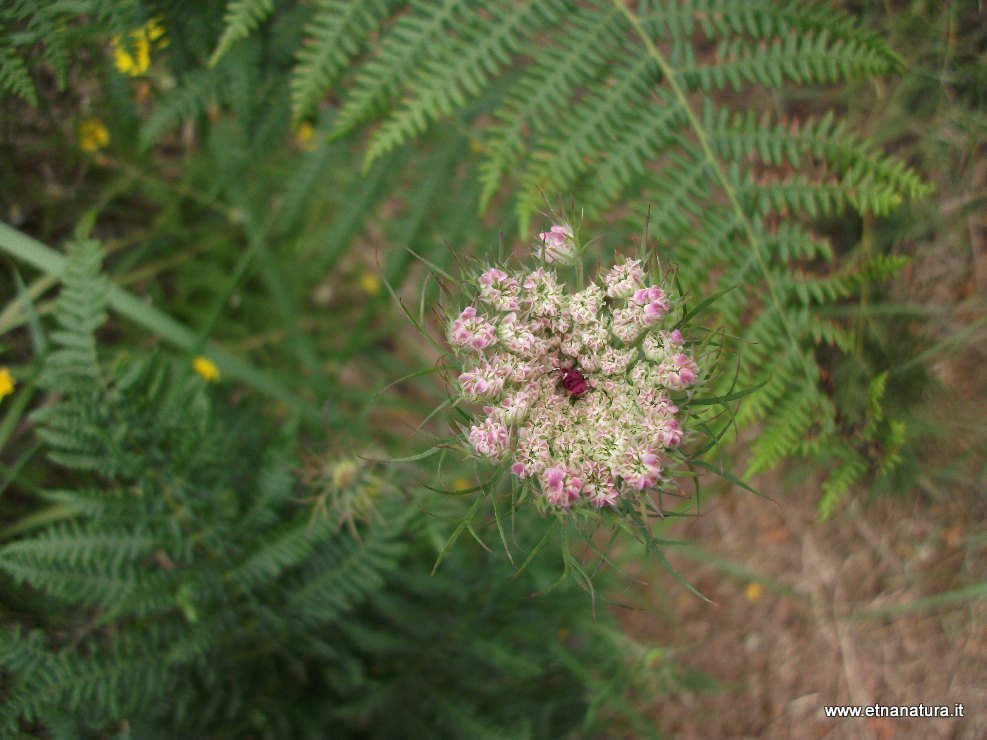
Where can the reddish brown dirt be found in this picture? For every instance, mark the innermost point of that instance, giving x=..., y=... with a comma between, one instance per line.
x=805, y=642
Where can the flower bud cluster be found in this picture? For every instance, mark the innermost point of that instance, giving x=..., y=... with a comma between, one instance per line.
x=575, y=388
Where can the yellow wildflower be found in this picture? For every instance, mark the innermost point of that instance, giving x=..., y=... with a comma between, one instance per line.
x=93, y=135
x=753, y=591
x=206, y=368
x=370, y=283
x=133, y=57
x=6, y=382
x=305, y=136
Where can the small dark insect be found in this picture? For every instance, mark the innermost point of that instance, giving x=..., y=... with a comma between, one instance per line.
x=573, y=381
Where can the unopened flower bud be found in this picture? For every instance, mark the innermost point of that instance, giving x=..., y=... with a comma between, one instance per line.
x=557, y=245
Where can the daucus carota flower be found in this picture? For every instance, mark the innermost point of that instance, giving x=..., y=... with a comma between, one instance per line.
x=624, y=279
x=653, y=304
x=576, y=388
x=490, y=438
x=471, y=330
x=499, y=289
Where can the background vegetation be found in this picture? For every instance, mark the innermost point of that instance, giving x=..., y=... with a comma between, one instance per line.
x=194, y=552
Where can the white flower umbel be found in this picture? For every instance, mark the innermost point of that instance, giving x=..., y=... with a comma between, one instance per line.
x=575, y=387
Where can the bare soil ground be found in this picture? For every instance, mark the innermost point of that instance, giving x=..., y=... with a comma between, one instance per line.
x=806, y=635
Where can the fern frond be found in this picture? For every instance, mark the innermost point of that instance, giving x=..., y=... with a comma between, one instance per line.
x=587, y=130
x=792, y=416
x=83, y=563
x=479, y=51
x=710, y=241
x=651, y=130
x=242, y=17
x=799, y=57
x=743, y=134
x=461, y=720
x=768, y=353
x=875, y=394
x=770, y=195
x=72, y=426
x=893, y=444
x=850, y=469
x=402, y=50
x=791, y=240
x=120, y=677
x=758, y=19
x=534, y=104
x=39, y=30
x=880, y=267
x=343, y=570
x=14, y=76
x=821, y=289
x=680, y=193
x=337, y=32
x=824, y=332
x=23, y=656
x=80, y=311
x=23, y=653
x=279, y=551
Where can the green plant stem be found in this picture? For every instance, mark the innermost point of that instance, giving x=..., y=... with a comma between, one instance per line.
x=44, y=258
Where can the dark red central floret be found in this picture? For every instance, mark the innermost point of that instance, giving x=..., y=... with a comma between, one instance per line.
x=573, y=381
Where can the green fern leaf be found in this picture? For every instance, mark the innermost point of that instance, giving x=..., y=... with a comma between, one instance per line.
x=758, y=19
x=650, y=131
x=121, y=677
x=478, y=53
x=534, y=102
x=83, y=563
x=893, y=444
x=407, y=43
x=31, y=666
x=851, y=468
x=343, y=570
x=280, y=550
x=789, y=423
x=587, y=130
x=802, y=58
x=80, y=311
x=14, y=76
x=242, y=17
x=337, y=32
